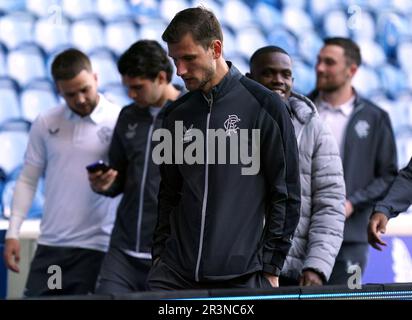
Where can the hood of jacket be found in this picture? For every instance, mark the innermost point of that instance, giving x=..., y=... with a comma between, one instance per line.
x=302, y=107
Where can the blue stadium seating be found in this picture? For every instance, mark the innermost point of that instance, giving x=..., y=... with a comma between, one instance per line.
x=37, y=97
x=120, y=34
x=32, y=32
x=104, y=64
x=51, y=34
x=76, y=9
x=87, y=33
x=16, y=28
x=13, y=145
x=26, y=63
x=9, y=101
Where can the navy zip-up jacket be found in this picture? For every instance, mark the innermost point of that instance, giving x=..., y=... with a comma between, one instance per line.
x=215, y=223
x=369, y=163
x=138, y=179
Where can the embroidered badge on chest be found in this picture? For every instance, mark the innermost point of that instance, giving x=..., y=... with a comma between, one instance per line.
x=131, y=130
x=231, y=124
x=362, y=129
x=105, y=134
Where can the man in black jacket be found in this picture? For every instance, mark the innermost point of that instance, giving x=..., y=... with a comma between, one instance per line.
x=222, y=224
x=146, y=73
x=367, y=146
x=398, y=200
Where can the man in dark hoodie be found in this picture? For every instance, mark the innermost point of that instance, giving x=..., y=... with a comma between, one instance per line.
x=319, y=234
x=223, y=225
x=366, y=143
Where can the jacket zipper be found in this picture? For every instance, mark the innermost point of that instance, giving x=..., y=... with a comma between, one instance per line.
x=143, y=183
x=206, y=188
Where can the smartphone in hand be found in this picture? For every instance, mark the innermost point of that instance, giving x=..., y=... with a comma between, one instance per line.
x=97, y=166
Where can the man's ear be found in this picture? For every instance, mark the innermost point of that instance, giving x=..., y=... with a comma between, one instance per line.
x=217, y=47
x=352, y=69
x=162, y=77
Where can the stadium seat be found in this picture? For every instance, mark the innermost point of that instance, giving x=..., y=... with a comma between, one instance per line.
x=10, y=106
x=320, y=8
x=104, y=64
x=391, y=31
x=393, y=79
x=230, y=45
x=366, y=81
x=286, y=40
x=304, y=77
x=13, y=146
x=372, y=53
x=51, y=34
x=76, y=9
x=36, y=210
x=404, y=54
x=12, y=5
x=153, y=30
x=144, y=10
x=87, y=33
x=309, y=45
x=45, y=8
x=112, y=9
x=335, y=24
x=120, y=35
x=249, y=39
x=296, y=20
x=116, y=93
x=16, y=28
x=237, y=14
x=37, y=97
x=267, y=16
x=26, y=63
x=3, y=56
x=365, y=29
x=168, y=8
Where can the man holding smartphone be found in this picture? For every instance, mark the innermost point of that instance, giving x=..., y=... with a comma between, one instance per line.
x=146, y=73
x=76, y=223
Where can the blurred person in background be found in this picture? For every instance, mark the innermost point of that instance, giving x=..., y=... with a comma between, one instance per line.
x=76, y=223
x=366, y=143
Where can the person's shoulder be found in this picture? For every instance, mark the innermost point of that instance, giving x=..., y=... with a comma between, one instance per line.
x=175, y=106
x=372, y=108
x=266, y=99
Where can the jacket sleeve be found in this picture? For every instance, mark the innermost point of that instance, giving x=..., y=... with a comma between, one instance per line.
x=327, y=216
x=169, y=197
x=280, y=163
x=399, y=196
x=118, y=161
x=385, y=164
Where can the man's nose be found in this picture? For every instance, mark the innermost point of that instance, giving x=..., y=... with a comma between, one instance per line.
x=181, y=69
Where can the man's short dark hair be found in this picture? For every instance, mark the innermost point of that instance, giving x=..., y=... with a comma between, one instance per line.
x=264, y=50
x=201, y=23
x=350, y=48
x=145, y=59
x=69, y=63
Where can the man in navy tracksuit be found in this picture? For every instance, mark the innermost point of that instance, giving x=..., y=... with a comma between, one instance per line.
x=398, y=200
x=146, y=73
x=223, y=224
x=365, y=137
